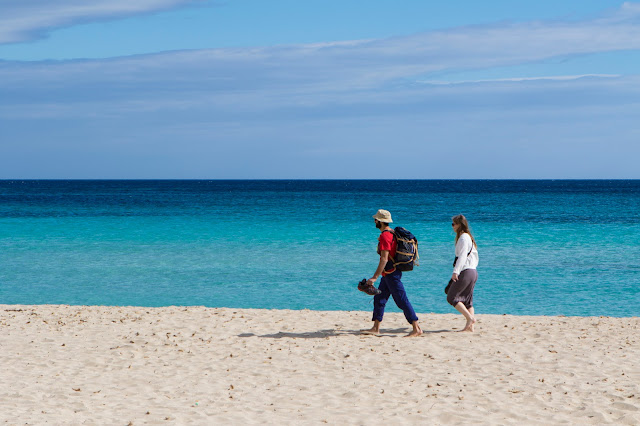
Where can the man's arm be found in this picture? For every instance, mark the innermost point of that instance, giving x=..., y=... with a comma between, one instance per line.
x=384, y=257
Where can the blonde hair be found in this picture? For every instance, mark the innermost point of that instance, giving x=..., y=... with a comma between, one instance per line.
x=463, y=228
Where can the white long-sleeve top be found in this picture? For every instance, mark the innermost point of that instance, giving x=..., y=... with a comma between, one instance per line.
x=463, y=246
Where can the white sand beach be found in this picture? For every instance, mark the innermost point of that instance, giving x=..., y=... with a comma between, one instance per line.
x=196, y=365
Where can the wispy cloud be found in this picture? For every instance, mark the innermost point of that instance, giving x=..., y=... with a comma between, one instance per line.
x=556, y=77
x=22, y=20
x=337, y=66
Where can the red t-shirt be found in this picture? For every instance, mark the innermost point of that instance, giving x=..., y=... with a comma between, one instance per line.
x=387, y=242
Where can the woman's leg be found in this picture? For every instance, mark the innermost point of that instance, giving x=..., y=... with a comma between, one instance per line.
x=461, y=295
x=468, y=316
x=470, y=304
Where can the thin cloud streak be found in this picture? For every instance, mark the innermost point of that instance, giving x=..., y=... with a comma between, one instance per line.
x=556, y=77
x=356, y=65
x=23, y=20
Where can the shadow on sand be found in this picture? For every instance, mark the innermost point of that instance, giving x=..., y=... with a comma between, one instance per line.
x=323, y=334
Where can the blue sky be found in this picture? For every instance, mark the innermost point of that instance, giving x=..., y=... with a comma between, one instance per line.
x=319, y=89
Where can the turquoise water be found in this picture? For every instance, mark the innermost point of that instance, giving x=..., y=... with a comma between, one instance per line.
x=546, y=247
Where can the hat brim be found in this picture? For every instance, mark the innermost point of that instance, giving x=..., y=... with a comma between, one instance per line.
x=382, y=219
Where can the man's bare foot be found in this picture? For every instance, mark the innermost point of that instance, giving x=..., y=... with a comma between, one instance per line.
x=415, y=333
x=470, y=325
x=372, y=331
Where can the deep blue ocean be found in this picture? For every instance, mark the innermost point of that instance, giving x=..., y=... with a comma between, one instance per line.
x=546, y=247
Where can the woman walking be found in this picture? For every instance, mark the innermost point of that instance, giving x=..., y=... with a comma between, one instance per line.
x=465, y=275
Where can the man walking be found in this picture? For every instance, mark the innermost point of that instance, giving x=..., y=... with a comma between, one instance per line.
x=391, y=284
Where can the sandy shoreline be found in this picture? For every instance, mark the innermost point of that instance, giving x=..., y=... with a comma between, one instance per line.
x=196, y=365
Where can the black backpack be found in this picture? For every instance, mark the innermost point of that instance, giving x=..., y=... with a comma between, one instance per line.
x=406, y=251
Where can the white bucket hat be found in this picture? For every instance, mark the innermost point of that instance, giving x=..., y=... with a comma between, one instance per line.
x=383, y=216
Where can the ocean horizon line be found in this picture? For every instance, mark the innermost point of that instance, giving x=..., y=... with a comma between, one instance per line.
x=313, y=179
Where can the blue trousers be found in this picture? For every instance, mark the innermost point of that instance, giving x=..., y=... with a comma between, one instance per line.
x=391, y=285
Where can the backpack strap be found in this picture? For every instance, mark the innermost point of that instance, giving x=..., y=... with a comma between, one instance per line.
x=468, y=254
x=392, y=233
x=390, y=260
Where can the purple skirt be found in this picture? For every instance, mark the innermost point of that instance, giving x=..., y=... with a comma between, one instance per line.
x=462, y=290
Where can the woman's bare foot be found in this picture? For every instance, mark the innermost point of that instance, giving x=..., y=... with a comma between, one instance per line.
x=470, y=325
x=372, y=331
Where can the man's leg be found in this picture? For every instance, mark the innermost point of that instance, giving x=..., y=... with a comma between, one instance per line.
x=379, y=303
x=400, y=297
